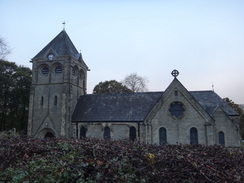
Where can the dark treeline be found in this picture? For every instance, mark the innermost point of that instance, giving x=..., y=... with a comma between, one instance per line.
x=15, y=84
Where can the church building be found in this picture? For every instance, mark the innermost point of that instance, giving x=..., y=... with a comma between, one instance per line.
x=60, y=106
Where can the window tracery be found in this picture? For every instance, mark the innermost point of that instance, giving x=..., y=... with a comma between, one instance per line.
x=177, y=109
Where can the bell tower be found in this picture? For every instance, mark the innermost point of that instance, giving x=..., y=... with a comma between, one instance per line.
x=59, y=78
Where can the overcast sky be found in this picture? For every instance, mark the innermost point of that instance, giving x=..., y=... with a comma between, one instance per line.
x=202, y=39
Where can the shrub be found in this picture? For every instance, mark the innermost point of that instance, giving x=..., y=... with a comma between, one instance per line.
x=93, y=160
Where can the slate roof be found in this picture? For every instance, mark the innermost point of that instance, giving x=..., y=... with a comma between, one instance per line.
x=61, y=45
x=134, y=107
x=120, y=107
x=209, y=100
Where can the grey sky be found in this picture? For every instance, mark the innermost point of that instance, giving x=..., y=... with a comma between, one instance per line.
x=204, y=39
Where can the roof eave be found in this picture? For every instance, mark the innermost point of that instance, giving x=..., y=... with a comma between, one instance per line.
x=106, y=121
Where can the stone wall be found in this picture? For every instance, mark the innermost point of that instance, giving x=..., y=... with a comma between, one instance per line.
x=118, y=130
x=230, y=128
x=54, y=95
x=178, y=129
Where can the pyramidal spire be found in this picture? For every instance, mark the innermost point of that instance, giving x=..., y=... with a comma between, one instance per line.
x=61, y=45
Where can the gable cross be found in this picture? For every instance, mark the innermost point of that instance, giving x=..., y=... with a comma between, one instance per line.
x=175, y=73
x=64, y=25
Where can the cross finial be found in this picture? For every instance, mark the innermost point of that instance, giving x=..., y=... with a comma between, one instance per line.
x=175, y=73
x=64, y=25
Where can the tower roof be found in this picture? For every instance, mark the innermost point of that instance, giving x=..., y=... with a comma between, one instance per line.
x=61, y=45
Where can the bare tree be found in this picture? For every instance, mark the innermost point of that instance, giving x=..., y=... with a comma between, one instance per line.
x=4, y=49
x=135, y=83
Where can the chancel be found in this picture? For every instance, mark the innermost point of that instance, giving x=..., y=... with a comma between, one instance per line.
x=60, y=106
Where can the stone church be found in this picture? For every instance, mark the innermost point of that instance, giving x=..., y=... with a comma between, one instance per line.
x=60, y=107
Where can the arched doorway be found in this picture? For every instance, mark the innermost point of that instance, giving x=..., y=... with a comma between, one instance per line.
x=49, y=135
x=46, y=133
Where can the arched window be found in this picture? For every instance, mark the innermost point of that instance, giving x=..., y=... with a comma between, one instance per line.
x=222, y=138
x=45, y=70
x=82, y=132
x=106, y=133
x=193, y=136
x=74, y=71
x=82, y=78
x=55, y=100
x=58, y=69
x=42, y=100
x=162, y=135
x=132, y=133
x=82, y=74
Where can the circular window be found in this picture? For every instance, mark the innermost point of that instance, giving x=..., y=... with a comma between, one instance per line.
x=45, y=70
x=177, y=110
x=50, y=56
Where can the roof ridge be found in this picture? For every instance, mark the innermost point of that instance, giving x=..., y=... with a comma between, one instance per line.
x=202, y=91
x=124, y=93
